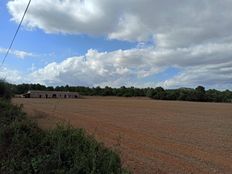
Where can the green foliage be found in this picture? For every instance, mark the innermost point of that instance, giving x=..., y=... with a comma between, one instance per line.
x=188, y=94
x=5, y=91
x=200, y=93
x=157, y=93
x=184, y=94
x=25, y=148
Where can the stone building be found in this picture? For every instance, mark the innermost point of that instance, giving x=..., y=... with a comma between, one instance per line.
x=51, y=94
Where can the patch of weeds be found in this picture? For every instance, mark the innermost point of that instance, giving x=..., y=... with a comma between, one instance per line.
x=25, y=148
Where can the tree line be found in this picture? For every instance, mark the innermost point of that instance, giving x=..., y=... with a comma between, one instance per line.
x=159, y=93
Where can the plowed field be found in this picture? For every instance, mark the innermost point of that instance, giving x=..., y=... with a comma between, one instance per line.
x=152, y=136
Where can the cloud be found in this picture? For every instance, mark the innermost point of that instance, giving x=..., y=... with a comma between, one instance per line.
x=11, y=76
x=94, y=68
x=208, y=65
x=130, y=28
x=171, y=23
x=17, y=53
x=193, y=36
x=211, y=76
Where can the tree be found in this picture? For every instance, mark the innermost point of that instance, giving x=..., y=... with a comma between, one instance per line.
x=107, y=91
x=50, y=88
x=200, y=93
x=172, y=94
x=157, y=93
x=150, y=92
x=160, y=93
x=182, y=95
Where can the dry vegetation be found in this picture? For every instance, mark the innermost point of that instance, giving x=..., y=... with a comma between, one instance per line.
x=153, y=136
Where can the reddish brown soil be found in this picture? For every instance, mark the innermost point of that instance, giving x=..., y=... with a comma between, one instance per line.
x=153, y=136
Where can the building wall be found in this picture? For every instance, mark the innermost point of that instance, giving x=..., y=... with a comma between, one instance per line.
x=53, y=95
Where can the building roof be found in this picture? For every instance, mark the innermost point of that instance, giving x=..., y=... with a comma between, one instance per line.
x=51, y=92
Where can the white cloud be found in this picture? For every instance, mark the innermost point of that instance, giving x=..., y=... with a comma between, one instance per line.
x=11, y=76
x=212, y=76
x=22, y=54
x=193, y=36
x=170, y=22
x=130, y=27
x=199, y=65
x=17, y=53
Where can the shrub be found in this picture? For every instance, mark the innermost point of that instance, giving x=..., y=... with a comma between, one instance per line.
x=25, y=148
x=5, y=92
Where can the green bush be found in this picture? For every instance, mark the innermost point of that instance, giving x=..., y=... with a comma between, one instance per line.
x=25, y=148
x=5, y=91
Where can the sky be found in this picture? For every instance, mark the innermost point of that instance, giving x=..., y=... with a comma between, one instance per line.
x=141, y=43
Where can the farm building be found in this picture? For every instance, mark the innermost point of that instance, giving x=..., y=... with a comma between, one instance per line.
x=51, y=94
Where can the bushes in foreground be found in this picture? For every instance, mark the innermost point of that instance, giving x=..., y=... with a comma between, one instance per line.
x=5, y=91
x=25, y=148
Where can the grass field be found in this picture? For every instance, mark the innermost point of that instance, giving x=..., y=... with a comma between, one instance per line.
x=153, y=136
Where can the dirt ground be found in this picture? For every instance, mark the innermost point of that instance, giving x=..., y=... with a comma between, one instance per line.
x=152, y=136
